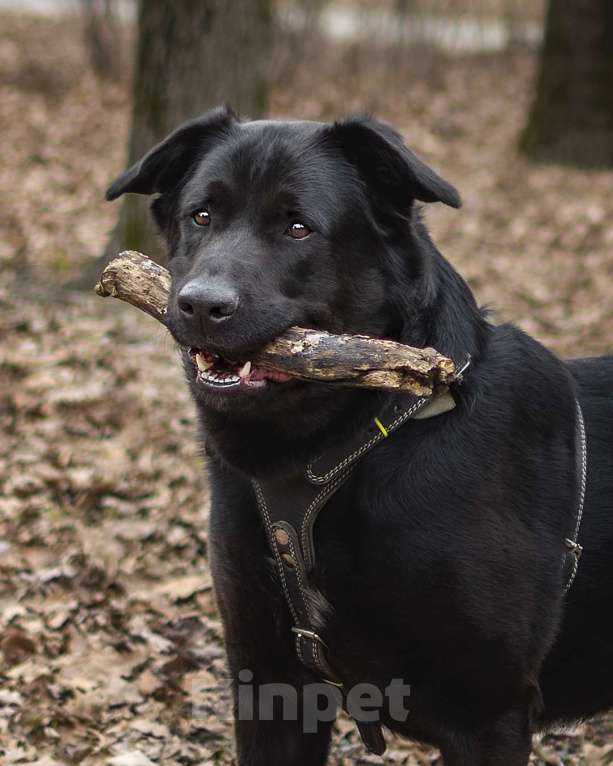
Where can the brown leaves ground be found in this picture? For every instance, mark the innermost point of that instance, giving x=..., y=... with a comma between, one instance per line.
x=110, y=646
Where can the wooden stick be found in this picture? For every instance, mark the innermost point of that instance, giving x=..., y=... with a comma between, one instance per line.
x=352, y=360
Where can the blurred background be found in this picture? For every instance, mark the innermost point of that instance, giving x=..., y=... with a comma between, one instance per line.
x=110, y=648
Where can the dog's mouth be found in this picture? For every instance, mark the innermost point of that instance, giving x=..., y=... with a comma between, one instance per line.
x=215, y=371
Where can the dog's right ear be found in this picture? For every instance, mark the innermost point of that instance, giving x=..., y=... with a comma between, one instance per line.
x=389, y=168
x=163, y=166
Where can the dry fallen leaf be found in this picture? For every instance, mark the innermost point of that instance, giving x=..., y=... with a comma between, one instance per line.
x=133, y=758
x=185, y=587
x=16, y=646
x=599, y=756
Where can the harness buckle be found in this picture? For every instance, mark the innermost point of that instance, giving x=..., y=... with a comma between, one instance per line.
x=304, y=633
x=311, y=635
x=575, y=548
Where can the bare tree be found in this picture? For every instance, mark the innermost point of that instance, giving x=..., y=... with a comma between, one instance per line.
x=572, y=115
x=191, y=55
x=103, y=39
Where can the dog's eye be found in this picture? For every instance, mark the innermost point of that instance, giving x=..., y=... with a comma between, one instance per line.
x=202, y=218
x=298, y=230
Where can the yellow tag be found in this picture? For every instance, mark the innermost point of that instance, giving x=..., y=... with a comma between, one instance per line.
x=381, y=427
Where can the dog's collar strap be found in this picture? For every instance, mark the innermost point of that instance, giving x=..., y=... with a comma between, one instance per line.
x=326, y=467
x=405, y=406
x=289, y=508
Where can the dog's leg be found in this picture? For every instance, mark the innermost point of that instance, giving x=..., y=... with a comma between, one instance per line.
x=278, y=734
x=283, y=717
x=282, y=714
x=506, y=741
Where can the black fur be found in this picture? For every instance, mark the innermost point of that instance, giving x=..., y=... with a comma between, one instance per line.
x=441, y=558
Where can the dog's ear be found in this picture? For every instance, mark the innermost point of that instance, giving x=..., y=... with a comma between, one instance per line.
x=164, y=165
x=389, y=168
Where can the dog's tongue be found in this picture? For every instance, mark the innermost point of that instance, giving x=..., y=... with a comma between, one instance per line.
x=258, y=373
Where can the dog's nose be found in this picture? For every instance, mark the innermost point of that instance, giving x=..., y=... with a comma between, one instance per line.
x=207, y=302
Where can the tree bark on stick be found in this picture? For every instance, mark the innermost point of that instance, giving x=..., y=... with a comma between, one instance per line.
x=352, y=360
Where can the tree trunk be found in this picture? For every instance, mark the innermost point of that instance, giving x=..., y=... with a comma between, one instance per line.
x=572, y=116
x=192, y=55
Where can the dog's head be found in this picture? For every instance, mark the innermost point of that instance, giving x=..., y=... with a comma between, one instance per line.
x=274, y=224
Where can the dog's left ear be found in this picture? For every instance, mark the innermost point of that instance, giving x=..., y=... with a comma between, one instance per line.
x=388, y=166
x=163, y=166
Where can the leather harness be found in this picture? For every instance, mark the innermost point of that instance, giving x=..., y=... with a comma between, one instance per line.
x=289, y=508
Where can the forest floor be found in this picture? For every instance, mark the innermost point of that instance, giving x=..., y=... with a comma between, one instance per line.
x=110, y=645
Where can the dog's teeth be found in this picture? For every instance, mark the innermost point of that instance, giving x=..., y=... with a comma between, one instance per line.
x=245, y=370
x=203, y=364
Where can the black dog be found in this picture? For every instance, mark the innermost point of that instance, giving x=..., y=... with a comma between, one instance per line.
x=442, y=559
